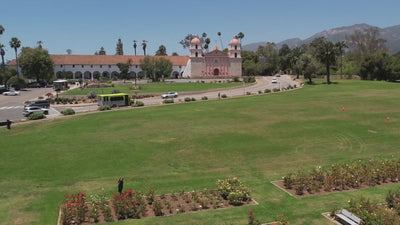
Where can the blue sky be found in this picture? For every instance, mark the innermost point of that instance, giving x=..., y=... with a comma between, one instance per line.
x=85, y=25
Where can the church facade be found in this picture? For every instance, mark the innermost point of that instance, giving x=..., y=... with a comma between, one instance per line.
x=216, y=63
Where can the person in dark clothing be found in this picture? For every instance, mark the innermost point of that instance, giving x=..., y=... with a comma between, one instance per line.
x=8, y=124
x=120, y=185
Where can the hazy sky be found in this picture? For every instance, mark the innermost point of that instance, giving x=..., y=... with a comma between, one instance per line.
x=85, y=25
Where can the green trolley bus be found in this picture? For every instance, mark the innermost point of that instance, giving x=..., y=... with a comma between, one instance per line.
x=113, y=100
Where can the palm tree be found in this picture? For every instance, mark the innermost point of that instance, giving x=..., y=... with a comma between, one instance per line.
x=2, y=29
x=220, y=39
x=69, y=51
x=240, y=35
x=340, y=46
x=207, y=41
x=40, y=44
x=15, y=43
x=2, y=52
x=134, y=45
x=144, y=45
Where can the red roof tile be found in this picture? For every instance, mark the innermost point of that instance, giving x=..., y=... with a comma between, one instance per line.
x=107, y=59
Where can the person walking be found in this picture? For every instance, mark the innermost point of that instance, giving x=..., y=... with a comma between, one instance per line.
x=9, y=124
x=120, y=185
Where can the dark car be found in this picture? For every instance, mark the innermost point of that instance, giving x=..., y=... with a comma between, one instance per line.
x=36, y=85
x=39, y=103
x=3, y=90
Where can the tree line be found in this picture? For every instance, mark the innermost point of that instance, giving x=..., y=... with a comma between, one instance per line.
x=362, y=53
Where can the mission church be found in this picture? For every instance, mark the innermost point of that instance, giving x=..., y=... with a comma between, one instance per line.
x=198, y=65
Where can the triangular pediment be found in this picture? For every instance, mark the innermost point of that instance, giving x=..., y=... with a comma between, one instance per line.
x=216, y=52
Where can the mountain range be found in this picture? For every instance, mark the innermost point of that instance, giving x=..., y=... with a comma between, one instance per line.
x=390, y=34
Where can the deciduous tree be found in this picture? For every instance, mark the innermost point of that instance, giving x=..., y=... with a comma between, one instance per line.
x=36, y=63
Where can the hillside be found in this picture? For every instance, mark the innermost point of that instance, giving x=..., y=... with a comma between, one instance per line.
x=390, y=34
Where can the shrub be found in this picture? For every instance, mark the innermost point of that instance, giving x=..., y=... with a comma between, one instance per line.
x=193, y=99
x=204, y=98
x=168, y=101
x=276, y=90
x=236, y=79
x=68, y=112
x=233, y=190
x=92, y=95
x=224, y=96
x=267, y=91
x=248, y=93
x=115, y=91
x=259, y=92
x=158, y=208
x=104, y=107
x=138, y=104
x=36, y=116
x=187, y=99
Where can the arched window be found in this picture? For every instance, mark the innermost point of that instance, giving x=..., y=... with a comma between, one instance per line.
x=197, y=54
x=197, y=46
x=235, y=54
x=235, y=47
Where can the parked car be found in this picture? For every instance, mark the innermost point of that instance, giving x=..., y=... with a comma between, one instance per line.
x=3, y=89
x=170, y=95
x=274, y=81
x=36, y=85
x=34, y=109
x=12, y=92
x=39, y=103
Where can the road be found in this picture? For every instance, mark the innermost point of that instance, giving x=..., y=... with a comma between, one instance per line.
x=261, y=84
x=11, y=106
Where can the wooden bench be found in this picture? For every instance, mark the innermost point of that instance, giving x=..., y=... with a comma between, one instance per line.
x=346, y=217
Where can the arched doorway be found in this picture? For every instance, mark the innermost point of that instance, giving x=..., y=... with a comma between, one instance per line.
x=216, y=72
x=78, y=75
x=175, y=74
x=96, y=75
x=87, y=75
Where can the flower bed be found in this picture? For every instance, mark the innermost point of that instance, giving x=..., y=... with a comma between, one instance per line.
x=135, y=205
x=341, y=177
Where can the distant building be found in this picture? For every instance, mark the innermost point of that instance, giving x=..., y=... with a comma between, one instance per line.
x=214, y=64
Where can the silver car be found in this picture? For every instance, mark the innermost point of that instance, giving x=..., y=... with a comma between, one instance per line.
x=170, y=95
x=33, y=110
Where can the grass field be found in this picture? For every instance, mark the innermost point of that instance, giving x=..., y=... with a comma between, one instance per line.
x=157, y=87
x=189, y=146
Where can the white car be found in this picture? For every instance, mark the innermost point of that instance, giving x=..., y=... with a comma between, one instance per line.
x=170, y=95
x=12, y=92
x=34, y=109
x=274, y=81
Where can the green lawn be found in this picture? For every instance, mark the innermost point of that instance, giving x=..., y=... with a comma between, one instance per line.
x=157, y=87
x=189, y=146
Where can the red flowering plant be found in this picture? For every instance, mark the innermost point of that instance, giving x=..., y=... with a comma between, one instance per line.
x=73, y=209
x=125, y=205
x=253, y=221
x=282, y=219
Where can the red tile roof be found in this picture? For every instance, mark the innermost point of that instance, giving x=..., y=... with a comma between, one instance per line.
x=107, y=59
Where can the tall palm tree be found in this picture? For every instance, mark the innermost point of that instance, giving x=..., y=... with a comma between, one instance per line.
x=220, y=39
x=2, y=29
x=207, y=41
x=144, y=45
x=326, y=53
x=134, y=45
x=40, y=44
x=15, y=43
x=2, y=53
x=69, y=51
x=240, y=35
x=340, y=46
